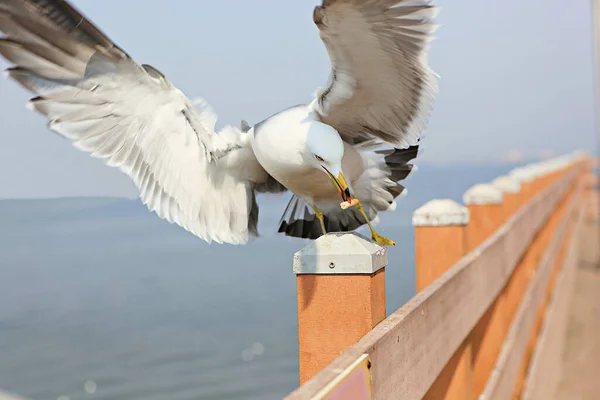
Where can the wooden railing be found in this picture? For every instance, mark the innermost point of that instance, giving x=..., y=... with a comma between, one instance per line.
x=489, y=275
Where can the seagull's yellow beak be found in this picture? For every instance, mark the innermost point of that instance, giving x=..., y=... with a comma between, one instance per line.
x=340, y=183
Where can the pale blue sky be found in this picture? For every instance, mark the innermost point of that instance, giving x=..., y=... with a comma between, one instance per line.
x=515, y=75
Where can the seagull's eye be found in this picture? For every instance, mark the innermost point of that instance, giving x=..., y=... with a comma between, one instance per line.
x=320, y=159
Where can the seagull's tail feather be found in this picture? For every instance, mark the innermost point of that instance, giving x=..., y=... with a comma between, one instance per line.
x=377, y=188
x=299, y=220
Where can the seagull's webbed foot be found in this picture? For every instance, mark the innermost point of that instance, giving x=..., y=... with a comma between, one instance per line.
x=382, y=240
x=319, y=215
x=374, y=235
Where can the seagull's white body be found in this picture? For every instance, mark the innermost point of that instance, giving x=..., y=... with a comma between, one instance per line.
x=279, y=143
x=380, y=94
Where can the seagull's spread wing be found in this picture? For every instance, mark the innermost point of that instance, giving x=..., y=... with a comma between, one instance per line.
x=380, y=85
x=133, y=118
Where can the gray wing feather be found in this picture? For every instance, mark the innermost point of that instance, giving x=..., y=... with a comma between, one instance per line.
x=133, y=118
x=380, y=85
x=58, y=15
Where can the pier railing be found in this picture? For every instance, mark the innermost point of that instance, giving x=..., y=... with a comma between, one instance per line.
x=488, y=319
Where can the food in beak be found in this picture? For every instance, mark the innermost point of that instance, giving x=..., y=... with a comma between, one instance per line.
x=347, y=204
x=349, y=201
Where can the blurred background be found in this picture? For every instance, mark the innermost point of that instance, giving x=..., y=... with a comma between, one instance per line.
x=101, y=299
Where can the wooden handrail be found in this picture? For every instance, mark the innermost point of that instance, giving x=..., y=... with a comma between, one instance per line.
x=545, y=369
x=409, y=349
x=501, y=383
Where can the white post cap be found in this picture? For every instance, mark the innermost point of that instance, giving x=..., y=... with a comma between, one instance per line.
x=522, y=174
x=533, y=169
x=550, y=166
x=563, y=160
x=578, y=156
x=507, y=184
x=340, y=253
x=483, y=194
x=538, y=170
x=556, y=164
x=441, y=212
x=545, y=167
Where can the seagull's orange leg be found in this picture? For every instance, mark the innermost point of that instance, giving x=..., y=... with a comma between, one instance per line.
x=374, y=235
x=319, y=215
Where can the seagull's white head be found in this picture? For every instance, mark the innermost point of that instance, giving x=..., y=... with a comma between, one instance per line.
x=325, y=151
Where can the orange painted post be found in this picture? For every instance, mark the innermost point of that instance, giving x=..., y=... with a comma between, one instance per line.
x=485, y=204
x=545, y=238
x=546, y=174
x=522, y=272
x=549, y=174
x=559, y=168
x=545, y=178
x=439, y=238
x=525, y=178
x=340, y=291
x=539, y=246
x=440, y=227
x=511, y=190
x=584, y=162
x=537, y=183
x=562, y=166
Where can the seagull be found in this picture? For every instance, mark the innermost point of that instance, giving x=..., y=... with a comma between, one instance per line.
x=355, y=140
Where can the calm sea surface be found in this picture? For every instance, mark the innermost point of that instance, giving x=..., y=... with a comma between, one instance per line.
x=101, y=300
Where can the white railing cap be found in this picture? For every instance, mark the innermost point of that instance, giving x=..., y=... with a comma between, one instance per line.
x=483, y=194
x=441, y=212
x=340, y=253
x=507, y=184
x=557, y=164
x=547, y=167
x=522, y=174
x=536, y=169
x=577, y=156
x=563, y=160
